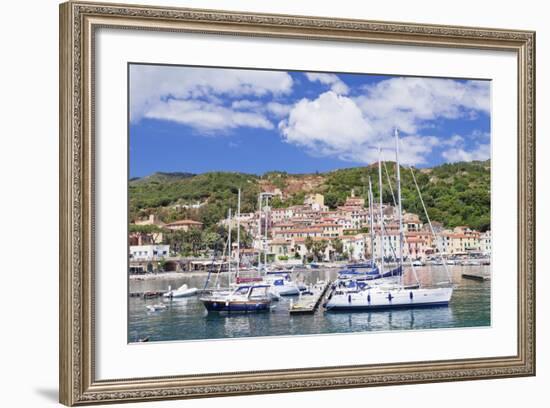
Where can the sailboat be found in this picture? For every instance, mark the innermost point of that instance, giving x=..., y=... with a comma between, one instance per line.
x=241, y=297
x=279, y=280
x=390, y=295
x=369, y=270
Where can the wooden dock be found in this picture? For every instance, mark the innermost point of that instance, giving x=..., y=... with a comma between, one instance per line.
x=308, y=303
x=472, y=276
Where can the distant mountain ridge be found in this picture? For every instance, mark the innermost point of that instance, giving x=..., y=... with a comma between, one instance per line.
x=161, y=176
x=455, y=194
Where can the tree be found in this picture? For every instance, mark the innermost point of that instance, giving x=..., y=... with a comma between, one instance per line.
x=337, y=246
x=212, y=240
x=308, y=243
x=319, y=248
x=194, y=238
x=153, y=232
x=297, y=251
x=176, y=240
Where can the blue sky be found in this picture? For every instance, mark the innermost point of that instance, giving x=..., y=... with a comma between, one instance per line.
x=197, y=120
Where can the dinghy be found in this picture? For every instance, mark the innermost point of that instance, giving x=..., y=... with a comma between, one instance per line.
x=182, y=291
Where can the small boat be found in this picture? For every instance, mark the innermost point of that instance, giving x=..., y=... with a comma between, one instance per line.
x=156, y=307
x=151, y=294
x=282, y=285
x=417, y=263
x=245, y=298
x=182, y=291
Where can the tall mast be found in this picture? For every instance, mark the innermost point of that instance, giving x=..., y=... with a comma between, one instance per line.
x=399, y=207
x=265, y=230
x=229, y=252
x=371, y=222
x=238, y=232
x=381, y=211
x=259, y=230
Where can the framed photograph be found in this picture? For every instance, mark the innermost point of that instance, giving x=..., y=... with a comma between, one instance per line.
x=256, y=203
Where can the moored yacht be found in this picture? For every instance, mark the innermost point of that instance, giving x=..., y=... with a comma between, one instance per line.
x=388, y=297
x=282, y=285
x=358, y=297
x=245, y=298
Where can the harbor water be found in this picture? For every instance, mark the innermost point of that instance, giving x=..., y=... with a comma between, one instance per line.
x=187, y=319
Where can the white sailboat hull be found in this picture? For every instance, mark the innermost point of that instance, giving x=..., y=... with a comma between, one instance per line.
x=376, y=299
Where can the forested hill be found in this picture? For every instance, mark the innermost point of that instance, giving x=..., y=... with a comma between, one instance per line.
x=455, y=194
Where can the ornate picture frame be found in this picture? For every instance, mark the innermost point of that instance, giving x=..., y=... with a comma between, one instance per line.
x=78, y=24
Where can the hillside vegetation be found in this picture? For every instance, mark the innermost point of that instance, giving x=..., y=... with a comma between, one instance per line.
x=454, y=194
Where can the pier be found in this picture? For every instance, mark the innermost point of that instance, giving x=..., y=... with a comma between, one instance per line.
x=308, y=303
x=476, y=277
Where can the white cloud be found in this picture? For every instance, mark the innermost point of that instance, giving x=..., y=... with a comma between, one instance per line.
x=205, y=116
x=348, y=127
x=278, y=110
x=480, y=136
x=336, y=84
x=150, y=85
x=245, y=104
x=331, y=124
x=411, y=103
x=454, y=140
x=481, y=152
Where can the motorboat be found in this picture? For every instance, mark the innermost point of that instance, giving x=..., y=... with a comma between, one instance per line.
x=245, y=298
x=282, y=285
x=182, y=291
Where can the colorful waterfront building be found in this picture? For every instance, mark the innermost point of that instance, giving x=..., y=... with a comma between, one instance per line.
x=149, y=252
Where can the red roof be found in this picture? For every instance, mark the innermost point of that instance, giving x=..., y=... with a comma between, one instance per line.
x=300, y=230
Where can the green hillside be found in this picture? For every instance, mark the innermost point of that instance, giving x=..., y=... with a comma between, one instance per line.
x=455, y=194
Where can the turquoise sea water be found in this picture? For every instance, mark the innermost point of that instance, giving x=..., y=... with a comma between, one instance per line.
x=187, y=319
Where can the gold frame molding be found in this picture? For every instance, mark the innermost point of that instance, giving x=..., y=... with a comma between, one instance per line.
x=78, y=22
